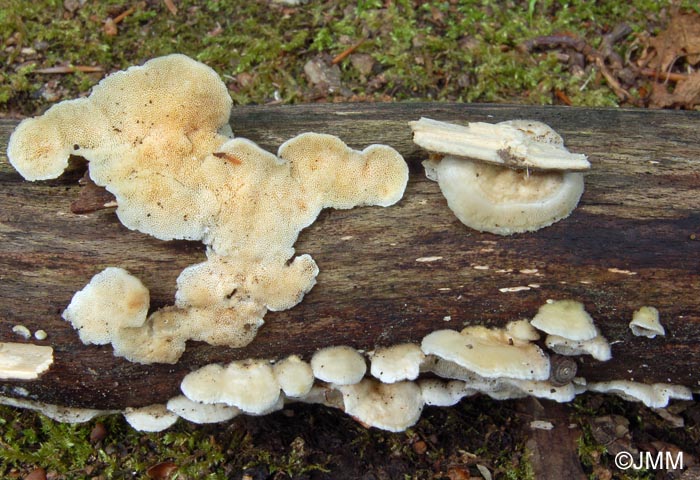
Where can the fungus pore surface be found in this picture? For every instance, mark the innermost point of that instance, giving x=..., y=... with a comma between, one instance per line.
x=152, y=137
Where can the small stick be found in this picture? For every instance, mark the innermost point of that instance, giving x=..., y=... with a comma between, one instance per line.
x=621, y=93
x=123, y=15
x=563, y=97
x=70, y=69
x=344, y=54
x=674, y=77
x=171, y=6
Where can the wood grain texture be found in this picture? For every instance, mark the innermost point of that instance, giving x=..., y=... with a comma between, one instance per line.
x=634, y=240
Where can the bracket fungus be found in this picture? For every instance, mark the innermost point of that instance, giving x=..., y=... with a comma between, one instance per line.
x=645, y=323
x=656, y=395
x=571, y=330
x=389, y=406
x=397, y=363
x=152, y=136
x=198, y=412
x=248, y=385
x=24, y=361
x=338, y=365
x=490, y=353
x=505, y=178
x=151, y=418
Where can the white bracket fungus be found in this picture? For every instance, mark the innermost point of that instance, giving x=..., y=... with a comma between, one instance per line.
x=24, y=361
x=439, y=393
x=484, y=172
x=645, y=323
x=393, y=407
x=655, y=395
x=489, y=353
x=56, y=412
x=400, y=362
x=198, y=412
x=338, y=365
x=294, y=375
x=249, y=385
x=566, y=318
x=597, y=347
x=152, y=418
x=152, y=137
x=516, y=143
x=571, y=330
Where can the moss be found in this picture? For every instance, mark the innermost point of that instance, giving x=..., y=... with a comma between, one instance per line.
x=459, y=51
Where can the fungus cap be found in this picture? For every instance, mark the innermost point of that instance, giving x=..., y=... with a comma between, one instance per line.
x=24, y=361
x=338, y=365
x=396, y=363
x=198, y=412
x=645, y=323
x=393, y=407
x=152, y=418
x=439, y=393
x=294, y=376
x=56, y=412
x=515, y=143
x=522, y=330
x=114, y=299
x=565, y=318
x=597, y=347
x=489, y=353
x=249, y=385
x=655, y=395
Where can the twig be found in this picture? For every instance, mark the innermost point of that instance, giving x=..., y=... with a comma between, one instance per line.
x=70, y=69
x=123, y=15
x=674, y=77
x=345, y=53
x=621, y=93
x=591, y=54
x=171, y=6
x=563, y=97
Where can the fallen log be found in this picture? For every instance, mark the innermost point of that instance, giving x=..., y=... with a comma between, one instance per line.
x=634, y=240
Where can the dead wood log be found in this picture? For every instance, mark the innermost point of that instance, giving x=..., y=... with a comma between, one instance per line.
x=634, y=240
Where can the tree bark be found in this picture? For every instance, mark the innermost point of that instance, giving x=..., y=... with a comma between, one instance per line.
x=634, y=240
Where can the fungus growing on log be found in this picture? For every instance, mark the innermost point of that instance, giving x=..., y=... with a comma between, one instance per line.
x=393, y=406
x=645, y=323
x=571, y=330
x=248, y=385
x=152, y=137
x=24, y=361
x=503, y=178
x=198, y=412
x=490, y=353
x=397, y=363
x=152, y=418
x=655, y=395
x=338, y=365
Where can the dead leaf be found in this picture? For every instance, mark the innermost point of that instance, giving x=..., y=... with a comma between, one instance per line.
x=686, y=94
x=161, y=471
x=110, y=28
x=680, y=39
x=37, y=474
